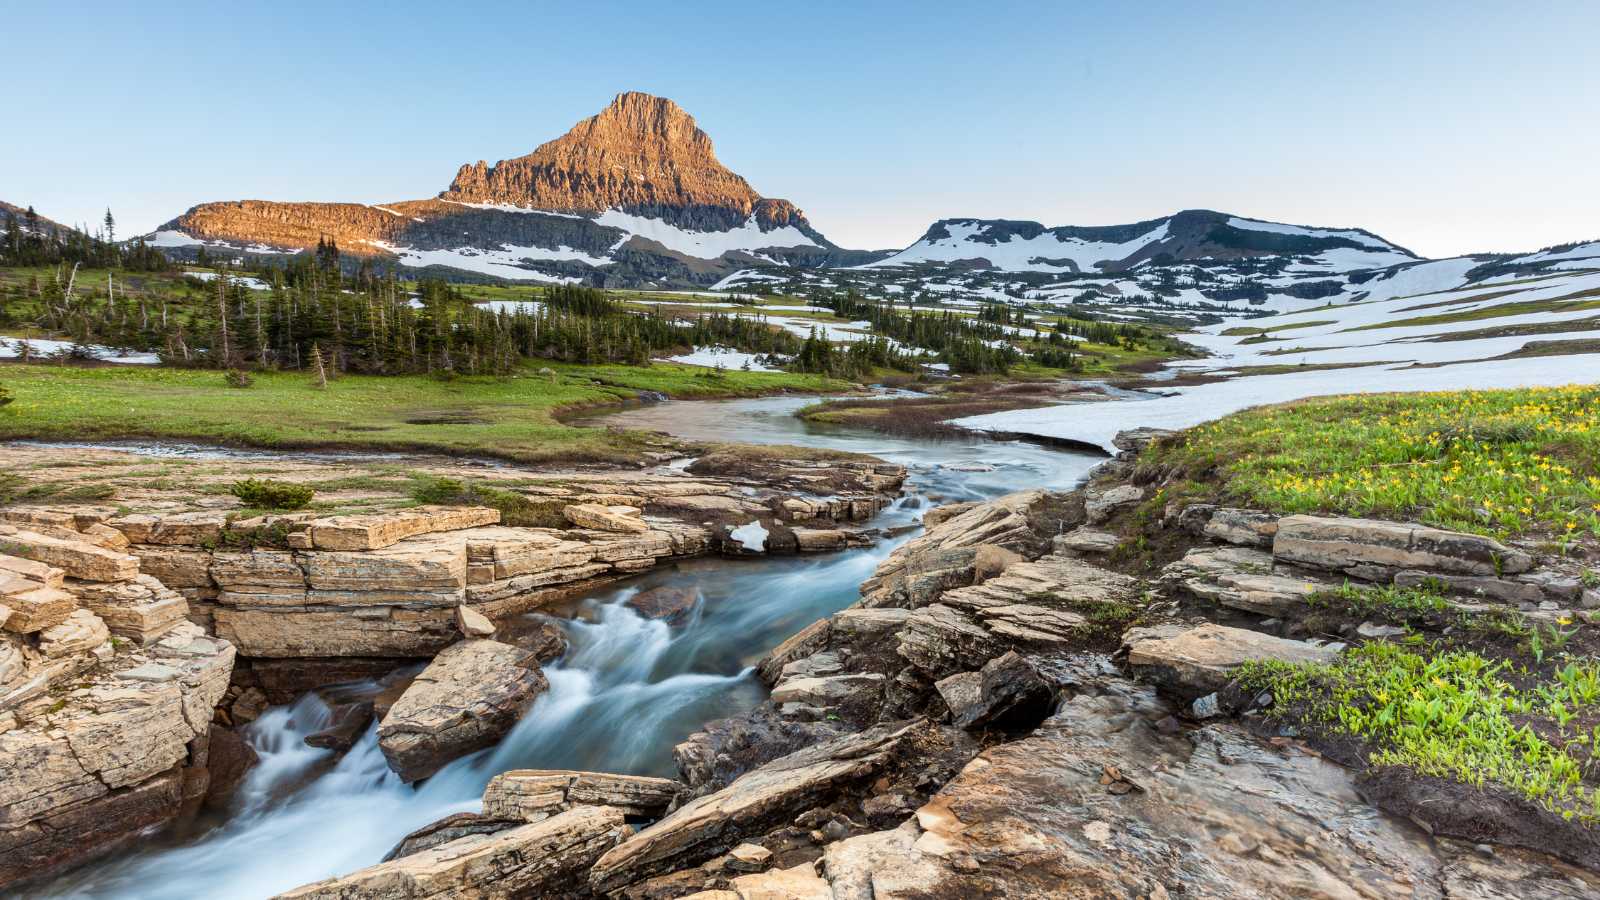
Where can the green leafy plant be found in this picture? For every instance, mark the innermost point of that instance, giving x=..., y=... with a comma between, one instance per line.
x=1450, y=716
x=270, y=494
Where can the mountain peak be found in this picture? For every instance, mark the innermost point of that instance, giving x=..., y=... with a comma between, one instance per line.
x=642, y=154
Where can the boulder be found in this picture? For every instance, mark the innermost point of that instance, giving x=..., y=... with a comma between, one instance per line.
x=669, y=602
x=445, y=830
x=540, y=859
x=1086, y=540
x=473, y=624
x=1245, y=527
x=620, y=519
x=1035, y=605
x=801, y=644
x=1267, y=595
x=1344, y=543
x=1101, y=504
x=1008, y=692
x=347, y=724
x=1135, y=440
x=466, y=699
x=828, y=691
x=1192, y=661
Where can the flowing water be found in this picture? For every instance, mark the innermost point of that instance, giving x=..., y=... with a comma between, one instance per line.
x=627, y=690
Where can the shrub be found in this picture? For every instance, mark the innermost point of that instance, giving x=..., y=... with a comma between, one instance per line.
x=269, y=494
x=5, y=395
x=238, y=378
x=515, y=509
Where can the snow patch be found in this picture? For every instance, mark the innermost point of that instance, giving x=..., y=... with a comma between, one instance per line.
x=751, y=536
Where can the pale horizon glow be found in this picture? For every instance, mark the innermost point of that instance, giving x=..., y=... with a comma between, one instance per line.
x=1447, y=128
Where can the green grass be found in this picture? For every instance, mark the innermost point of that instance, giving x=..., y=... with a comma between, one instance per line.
x=1451, y=716
x=512, y=418
x=1502, y=463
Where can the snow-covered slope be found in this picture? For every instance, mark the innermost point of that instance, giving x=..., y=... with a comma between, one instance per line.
x=1188, y=235
x=1491, y=331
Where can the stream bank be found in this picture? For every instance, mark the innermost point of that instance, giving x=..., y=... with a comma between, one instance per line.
x=627, y=690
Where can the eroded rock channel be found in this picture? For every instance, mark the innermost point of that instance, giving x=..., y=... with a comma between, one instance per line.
x=993, y=706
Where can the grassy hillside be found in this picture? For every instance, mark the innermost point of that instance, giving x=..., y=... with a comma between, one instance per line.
x=1504, y=463
x=512, y=417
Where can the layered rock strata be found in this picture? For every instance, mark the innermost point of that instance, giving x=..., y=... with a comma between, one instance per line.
x=106, y=698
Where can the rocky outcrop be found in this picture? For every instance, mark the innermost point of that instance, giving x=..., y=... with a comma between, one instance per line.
x=759, y=800
x=641, y=154
x=100, y=738
x=466, y=699
x=1360, y=546
x=1198, y=660
x=1098, y=802
x=389, y=584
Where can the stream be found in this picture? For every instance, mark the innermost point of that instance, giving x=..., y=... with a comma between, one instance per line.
x=626, y=692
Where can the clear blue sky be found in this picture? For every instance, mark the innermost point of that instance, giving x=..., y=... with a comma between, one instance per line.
x=1447, y=127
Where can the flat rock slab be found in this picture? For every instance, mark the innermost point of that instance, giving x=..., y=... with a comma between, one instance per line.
x=530, y=795
x=1195, y=661
x=620, y=519
x=1342, y=543
x=374, y=531
x=541, y=859
x=466, y=699
x=77, y=558
x=755, y=802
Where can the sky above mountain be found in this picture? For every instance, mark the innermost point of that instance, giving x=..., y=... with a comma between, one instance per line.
x=1445, y=127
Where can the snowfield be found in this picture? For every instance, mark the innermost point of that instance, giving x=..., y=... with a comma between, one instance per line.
x=1373, y=351
x=747, y=237
x=1098, y=423
x=508, y=261
x=11, y=348
x=723, y=357
x=1016, y=254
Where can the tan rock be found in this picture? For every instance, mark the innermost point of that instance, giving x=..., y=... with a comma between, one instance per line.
x=176, y=567
x=377, y=630
x=531, y=794
x=43, y=573
x=466, y=699
x=605, y=518
x=141, y=610
x=81, y=632
x=1193, y=661
x=473, y=624
x=37, y=608
x=374, y=531
x=77, y=558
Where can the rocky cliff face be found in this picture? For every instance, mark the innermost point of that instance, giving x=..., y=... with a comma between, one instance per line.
x=642, y=155
x=631, y=197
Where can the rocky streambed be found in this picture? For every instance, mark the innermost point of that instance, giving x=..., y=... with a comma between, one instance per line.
x=1022, y=700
